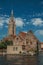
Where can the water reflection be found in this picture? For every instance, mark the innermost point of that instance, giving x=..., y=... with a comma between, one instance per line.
x=21, y=60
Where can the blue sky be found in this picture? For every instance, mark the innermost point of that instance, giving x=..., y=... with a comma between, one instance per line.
x=28, y=16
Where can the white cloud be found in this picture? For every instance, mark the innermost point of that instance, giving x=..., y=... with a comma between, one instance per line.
x=27, y=23
x=25, y=31
x=40, y=32
x=1, y=24
x=24, y=19
x=37, y=14
x=3, y=20
x=37, y=21
x=6, y=26
x=19, y=22
x=7, y=20
x=6, y=15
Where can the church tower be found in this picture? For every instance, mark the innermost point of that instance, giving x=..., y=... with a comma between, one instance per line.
x=11, y=25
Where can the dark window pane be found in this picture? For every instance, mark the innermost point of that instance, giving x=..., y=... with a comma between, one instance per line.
x=23, y=47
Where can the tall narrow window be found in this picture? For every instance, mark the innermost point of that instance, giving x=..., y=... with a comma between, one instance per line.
x=23, y=47
x=13, y=48
x=16, y=48
x=26, y=41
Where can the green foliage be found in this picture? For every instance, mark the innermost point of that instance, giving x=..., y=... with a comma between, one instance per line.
x=4, y=44
x=8, y=42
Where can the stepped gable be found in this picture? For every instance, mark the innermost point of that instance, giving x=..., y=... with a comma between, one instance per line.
x=22, y=34
x=31, y=34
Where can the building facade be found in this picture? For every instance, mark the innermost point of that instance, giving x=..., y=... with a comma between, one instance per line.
x=23, y=43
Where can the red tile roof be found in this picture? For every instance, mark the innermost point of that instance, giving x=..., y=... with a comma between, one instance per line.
x=5, y=39
x=41, y=42
x=9, y=37
x=14, y=36
x=23, y=34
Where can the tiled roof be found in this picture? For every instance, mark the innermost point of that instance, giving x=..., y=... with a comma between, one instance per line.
x=13, y=36
x=9, y=37
x=41, y=42
x=23, y=34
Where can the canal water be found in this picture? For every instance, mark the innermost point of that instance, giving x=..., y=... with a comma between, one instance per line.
x=21, y=60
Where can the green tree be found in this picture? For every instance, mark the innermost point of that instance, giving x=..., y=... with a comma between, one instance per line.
x=5, y=43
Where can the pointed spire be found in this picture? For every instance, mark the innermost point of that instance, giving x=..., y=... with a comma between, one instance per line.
x=11, y=13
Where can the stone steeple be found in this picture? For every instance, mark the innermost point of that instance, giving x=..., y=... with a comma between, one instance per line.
x=11, y=26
